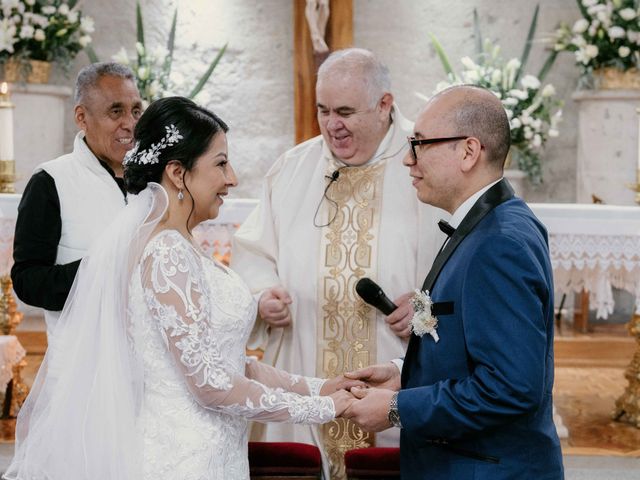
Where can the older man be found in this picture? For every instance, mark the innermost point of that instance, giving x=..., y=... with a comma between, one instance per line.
x=69, y=201
x=474, y=396
x=337, y=208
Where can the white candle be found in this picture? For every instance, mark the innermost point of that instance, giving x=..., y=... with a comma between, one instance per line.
x=6, y=123
x=638, y=167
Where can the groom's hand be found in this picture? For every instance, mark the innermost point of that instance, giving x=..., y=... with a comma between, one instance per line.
x=383, y=375
x=340, y=383
x=399, y=320
x=371, y=410
x=342, y=400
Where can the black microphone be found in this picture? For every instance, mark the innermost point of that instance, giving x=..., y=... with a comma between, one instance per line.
x=371, y=293
x=334, y=176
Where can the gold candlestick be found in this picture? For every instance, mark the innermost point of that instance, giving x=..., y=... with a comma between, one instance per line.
x=628, y=405
x=10, y=317
x=17, y=390
x=636, y=186
x=7, y=176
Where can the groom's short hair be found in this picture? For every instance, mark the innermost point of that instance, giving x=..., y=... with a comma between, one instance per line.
x=479, y=113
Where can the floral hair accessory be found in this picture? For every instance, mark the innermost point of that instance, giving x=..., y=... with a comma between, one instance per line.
x=151, y=155
x=423, y=321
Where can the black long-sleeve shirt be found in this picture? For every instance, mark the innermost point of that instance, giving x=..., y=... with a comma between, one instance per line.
x=37, y=280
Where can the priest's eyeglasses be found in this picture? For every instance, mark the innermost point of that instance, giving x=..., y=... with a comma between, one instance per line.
x=413, y=142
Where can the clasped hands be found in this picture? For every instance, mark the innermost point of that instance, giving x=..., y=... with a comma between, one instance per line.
x=364, y=395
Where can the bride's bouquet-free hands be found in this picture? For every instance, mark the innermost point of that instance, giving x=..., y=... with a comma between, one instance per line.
x=338, y=388
x=342, y=399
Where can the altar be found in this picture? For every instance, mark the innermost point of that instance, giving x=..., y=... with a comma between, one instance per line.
x=593, y=248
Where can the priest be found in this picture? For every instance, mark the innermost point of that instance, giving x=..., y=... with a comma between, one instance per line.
x=334, y=209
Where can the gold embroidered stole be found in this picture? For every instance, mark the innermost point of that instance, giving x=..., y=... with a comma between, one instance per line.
x=346, y=336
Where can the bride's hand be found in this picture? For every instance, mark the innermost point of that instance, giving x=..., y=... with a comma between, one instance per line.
x=340, y=383
x=342, y=399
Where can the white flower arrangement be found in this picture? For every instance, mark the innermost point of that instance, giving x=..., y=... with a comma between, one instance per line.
x=423, y=321
x=51, y=31
x=533, y=111
x=607, y=35
x=153, y=67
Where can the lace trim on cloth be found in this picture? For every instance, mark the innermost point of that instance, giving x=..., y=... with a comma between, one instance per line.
x=315, y=385
x=596, y=263
x=7, y=229
x=305, y=410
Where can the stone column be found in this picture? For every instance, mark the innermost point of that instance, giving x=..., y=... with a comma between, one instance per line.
x=607, y=145
x=39, y=124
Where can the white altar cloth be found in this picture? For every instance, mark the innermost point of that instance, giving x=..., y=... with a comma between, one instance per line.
x=595, y=247
x=8, y=213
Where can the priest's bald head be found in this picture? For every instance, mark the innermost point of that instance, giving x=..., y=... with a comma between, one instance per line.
x=354, y=103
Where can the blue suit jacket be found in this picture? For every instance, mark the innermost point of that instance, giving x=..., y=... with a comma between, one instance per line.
x=477, y=404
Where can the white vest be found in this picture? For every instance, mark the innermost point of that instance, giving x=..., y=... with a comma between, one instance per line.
x=89, y=201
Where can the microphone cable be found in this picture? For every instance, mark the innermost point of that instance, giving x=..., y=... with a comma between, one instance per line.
x=332, y=178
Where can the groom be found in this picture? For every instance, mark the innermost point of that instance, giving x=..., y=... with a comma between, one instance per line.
x=474, y=396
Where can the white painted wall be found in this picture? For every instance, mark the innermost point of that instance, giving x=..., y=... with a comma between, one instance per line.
x=252, y=89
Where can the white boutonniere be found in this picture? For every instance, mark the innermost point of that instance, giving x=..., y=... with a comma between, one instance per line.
x=422, y=321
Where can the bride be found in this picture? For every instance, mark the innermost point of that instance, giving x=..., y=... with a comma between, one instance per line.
x=146, y=374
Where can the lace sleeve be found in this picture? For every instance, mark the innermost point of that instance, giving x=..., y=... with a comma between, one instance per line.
x=198, y=336
x=275, y=378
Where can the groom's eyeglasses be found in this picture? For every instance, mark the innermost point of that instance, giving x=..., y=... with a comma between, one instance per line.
x=413, y=142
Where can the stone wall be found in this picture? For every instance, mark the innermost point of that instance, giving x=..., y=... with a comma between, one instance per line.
x=399, y=33
x=252, y=89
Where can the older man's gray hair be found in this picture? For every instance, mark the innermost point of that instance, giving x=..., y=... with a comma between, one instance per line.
x=375, y=74
x=88, y=77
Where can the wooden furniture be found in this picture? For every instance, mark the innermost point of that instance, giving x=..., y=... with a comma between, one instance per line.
x=284, y=460
x=373, y=463
x=305, y=62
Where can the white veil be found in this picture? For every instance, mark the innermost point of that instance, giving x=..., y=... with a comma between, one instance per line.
x=80, y=419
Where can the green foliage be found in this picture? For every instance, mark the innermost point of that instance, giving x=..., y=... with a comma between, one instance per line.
x=154, y=67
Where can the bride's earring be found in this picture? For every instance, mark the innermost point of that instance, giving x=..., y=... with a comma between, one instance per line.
x=180, y=195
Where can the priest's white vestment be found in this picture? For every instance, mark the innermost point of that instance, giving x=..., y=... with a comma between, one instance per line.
x=317, y=236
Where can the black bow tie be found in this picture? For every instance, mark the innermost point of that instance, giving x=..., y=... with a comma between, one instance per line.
x=446, y=228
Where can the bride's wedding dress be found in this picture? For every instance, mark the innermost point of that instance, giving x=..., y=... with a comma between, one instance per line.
x=145, y=375
x=200, y=391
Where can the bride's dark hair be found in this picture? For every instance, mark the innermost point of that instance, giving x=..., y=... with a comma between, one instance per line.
x=196, y=124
